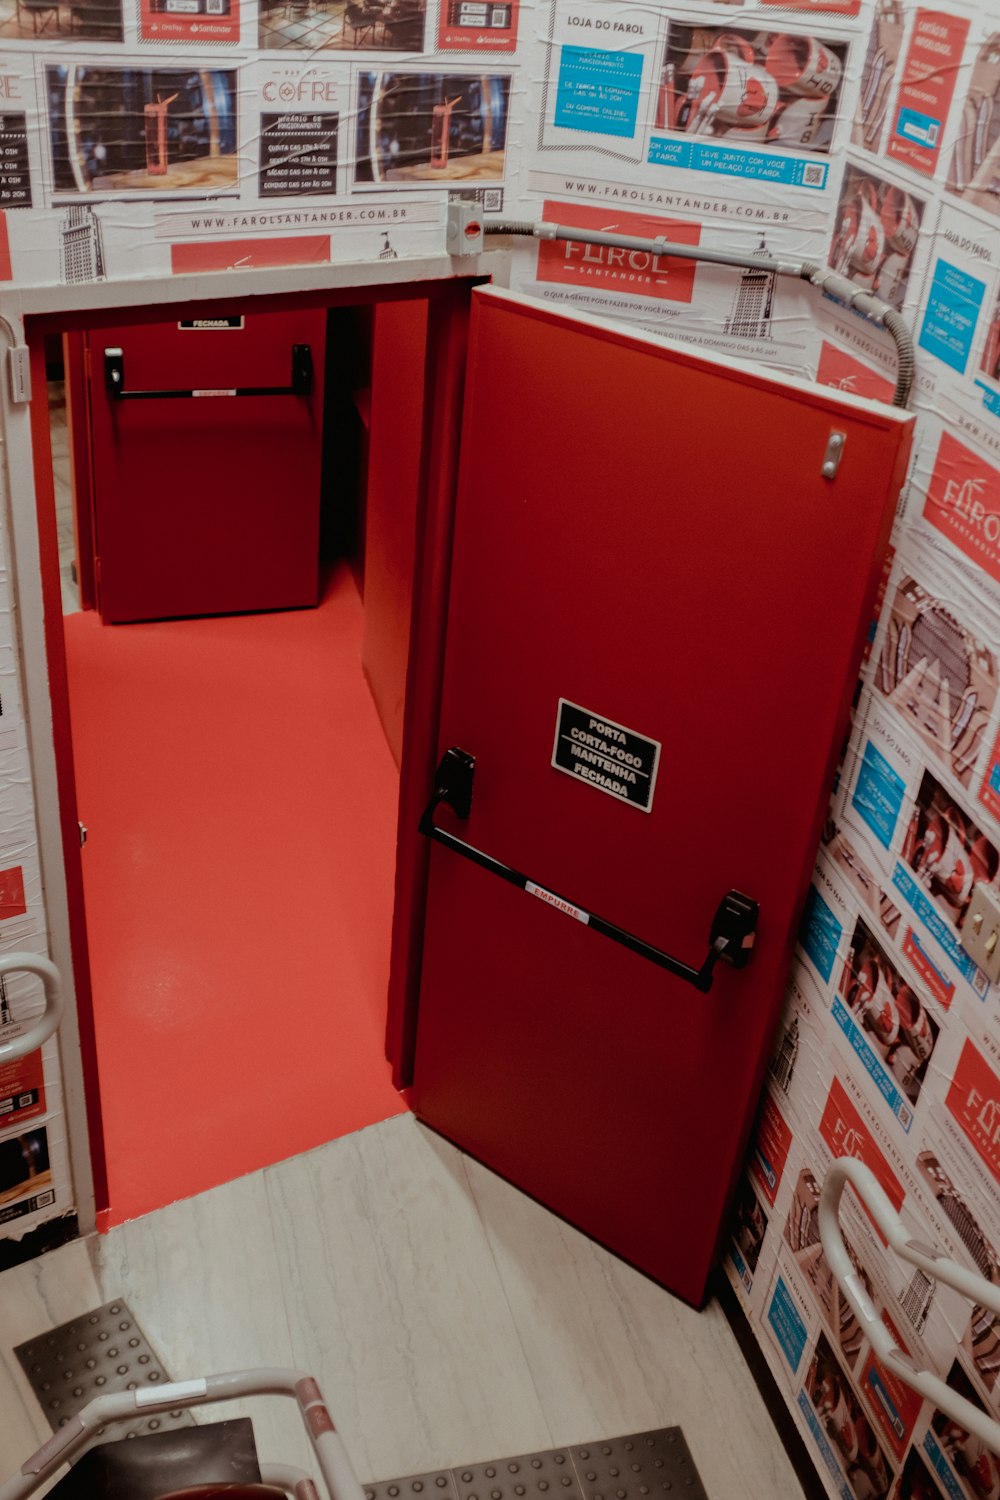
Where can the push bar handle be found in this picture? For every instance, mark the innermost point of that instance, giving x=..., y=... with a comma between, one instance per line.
x=846, y=1171
x=302, y=381
x=734, y=926
x=40, y=1031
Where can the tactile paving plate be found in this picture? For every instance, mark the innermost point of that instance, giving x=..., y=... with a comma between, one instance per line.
x=98, y=1354
x=642, y=1466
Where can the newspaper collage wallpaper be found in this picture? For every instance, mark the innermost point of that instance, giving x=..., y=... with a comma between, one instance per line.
x=34, y=1167
x=158, y=137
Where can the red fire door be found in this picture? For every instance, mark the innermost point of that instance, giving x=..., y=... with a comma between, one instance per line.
x=664, y=568
x=207, y=437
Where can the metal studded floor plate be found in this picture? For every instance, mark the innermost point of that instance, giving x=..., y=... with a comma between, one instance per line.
x=102, y=1352
x=642, y=1466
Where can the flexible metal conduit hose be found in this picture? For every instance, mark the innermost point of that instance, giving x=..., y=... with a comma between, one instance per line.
x=827, y=280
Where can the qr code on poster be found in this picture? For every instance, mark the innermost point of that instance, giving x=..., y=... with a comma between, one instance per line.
x=814, y=174
x=491, y=199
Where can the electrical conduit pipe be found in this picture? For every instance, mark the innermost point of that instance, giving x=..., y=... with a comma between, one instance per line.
x=826, y=280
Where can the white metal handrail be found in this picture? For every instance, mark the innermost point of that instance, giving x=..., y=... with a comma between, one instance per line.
x=930, y=1261
x=331, y=1456
x=40, y=1031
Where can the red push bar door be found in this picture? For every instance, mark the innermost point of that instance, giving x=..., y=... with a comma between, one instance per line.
x=658, y=605
x=206, y=453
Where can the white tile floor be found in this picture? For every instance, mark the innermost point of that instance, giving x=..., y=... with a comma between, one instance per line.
x=447, y=1317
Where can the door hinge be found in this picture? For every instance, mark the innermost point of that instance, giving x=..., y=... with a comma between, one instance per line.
x=19, y=369
x=83, y=833
x=833, y=454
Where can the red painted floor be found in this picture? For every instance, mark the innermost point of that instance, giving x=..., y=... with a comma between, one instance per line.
x=240, y=801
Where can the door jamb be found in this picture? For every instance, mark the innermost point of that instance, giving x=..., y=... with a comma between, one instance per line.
x=444, y=395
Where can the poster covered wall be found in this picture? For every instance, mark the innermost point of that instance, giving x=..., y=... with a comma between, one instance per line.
x=36, y=1194
x=162, y=137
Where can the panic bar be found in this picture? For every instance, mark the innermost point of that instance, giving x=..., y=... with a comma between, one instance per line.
x=734, y=926
x=302, y=381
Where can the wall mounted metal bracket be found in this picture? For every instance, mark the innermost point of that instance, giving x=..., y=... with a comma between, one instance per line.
x=45, y=1025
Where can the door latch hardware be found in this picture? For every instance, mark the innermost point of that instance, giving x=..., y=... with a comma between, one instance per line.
x=833, y=454
x=736, y=921
x=302, y=381
x=19, y=370
x=452, y=786
x=114, y=371
x=302, y=369
x=734, y=926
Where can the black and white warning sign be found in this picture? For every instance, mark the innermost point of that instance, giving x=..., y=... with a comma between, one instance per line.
x=608, y=756
x=211, y=325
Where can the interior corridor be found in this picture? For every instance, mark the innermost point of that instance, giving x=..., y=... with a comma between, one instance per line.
x=240, y=805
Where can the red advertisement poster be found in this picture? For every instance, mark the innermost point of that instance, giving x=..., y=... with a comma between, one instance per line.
x=6, y=270
x=477, y=25
x=12, y=898
x=925, y=93
x=896, y=1405
x=22, y=1090
x=770, y=1150
x=845, y=373
x=974, y=1101
x=602, y=266
x=963, y=502
x=244, y=255
x=189, y=20
x=846, y=1134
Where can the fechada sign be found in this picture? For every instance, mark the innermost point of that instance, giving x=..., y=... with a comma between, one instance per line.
x=606, y=755
x=963, y=503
